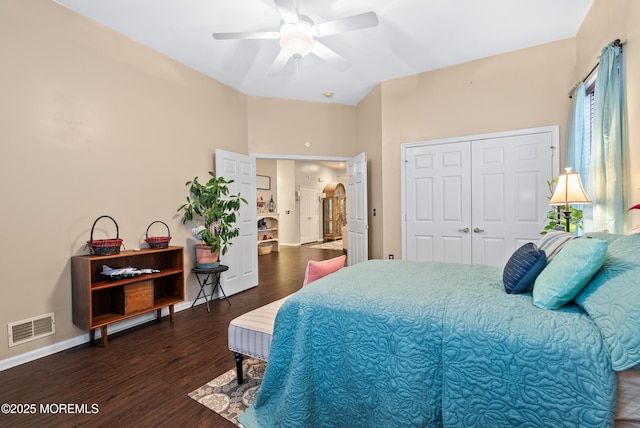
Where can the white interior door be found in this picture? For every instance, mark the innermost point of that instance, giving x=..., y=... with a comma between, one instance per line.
x=509, y=194
x=309, y=214
x=357, y=219
x=438, y=213
x=242, y=257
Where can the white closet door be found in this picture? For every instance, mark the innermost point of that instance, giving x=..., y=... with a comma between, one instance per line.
x=476, y=200
x=509, y=194
x=438, y=185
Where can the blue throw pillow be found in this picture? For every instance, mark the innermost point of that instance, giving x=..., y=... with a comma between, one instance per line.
x=612, y=300
x=568, y=273
x=523, y=267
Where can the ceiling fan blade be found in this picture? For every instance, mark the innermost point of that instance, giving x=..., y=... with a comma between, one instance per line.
x=248, y=35
x=330, y=56
x=287, y=10
x=278, y=64
x=350, y=23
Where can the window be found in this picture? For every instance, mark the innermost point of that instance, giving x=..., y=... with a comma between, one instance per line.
x=597, y=143
x=589, y=100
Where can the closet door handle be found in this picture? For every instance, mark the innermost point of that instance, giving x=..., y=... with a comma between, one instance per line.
x=465, y=230
x=478, y=230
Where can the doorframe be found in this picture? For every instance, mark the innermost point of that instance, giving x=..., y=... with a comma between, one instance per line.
x=302, y=158
x=555, y=160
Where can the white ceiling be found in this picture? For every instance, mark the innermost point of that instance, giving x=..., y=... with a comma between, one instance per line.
x=412, y=36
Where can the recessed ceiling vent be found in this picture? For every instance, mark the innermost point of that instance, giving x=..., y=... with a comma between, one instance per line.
x=31, y=329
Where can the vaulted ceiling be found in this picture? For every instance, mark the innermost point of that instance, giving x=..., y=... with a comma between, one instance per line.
x=411, y=36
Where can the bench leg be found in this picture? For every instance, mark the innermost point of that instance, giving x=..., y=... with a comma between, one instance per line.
x=238, y=357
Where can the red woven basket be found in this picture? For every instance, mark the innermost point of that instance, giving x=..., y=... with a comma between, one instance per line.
x=158, y=241
x=104, y=247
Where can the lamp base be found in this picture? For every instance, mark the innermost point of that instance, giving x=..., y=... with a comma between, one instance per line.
x=567, y=220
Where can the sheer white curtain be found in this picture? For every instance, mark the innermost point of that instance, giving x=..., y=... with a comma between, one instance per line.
x=578, y=151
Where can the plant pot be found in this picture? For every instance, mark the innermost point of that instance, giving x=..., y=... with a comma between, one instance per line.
x=205, y=259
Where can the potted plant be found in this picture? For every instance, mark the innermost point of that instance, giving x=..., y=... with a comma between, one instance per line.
x=213, y=203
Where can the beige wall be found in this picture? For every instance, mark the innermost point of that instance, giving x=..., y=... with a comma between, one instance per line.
x=369, y=140
x=521, y=89
x=609, y=20
x=268, y=168
x=92, y=123
x=286, y=183
x=632, y=81
x=282, y=127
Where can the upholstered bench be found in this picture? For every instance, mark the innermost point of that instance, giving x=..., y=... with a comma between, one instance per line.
x=251, y=333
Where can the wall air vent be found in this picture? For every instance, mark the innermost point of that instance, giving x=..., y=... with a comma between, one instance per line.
x=31, y=329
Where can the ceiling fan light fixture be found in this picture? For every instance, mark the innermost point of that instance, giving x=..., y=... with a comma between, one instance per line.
x=296, y=39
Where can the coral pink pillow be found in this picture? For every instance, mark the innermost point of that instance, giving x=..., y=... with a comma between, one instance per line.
x=316, y=270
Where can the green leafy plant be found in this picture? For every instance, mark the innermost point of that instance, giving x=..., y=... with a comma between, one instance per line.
x=213, y=202
x=555, y=215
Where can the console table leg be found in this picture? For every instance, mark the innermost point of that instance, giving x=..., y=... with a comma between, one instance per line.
x=92, y=336
x=171, y=311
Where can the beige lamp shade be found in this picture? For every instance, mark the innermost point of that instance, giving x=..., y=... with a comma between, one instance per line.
x=569, y=190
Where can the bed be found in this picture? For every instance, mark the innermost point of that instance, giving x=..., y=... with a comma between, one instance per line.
x=399, y=343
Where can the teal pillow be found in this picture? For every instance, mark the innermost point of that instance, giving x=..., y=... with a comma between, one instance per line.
x=569, y=271
x=612, y=300
x=605, y=236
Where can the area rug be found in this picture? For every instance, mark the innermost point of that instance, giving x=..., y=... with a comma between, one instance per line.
x=331, y=245
x=224, y=396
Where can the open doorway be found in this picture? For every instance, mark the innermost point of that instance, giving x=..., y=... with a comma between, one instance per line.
x=274, y=186
x=296, y=188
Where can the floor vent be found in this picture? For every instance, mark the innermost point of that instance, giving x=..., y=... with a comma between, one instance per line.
x=31, y=329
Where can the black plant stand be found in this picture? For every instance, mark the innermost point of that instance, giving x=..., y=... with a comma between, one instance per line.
x=209, y=276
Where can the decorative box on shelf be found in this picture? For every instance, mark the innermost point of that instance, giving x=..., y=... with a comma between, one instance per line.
x=134, y=297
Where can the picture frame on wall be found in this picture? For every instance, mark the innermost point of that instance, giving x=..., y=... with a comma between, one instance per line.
x=263, y=182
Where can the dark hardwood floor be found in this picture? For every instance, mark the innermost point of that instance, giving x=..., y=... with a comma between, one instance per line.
x=143, y=376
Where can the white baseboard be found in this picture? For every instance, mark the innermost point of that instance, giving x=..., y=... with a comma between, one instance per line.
x=84, y=338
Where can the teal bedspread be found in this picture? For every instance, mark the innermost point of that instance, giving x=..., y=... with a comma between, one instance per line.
x=416, y=344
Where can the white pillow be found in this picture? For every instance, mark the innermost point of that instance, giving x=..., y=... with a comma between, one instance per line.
x=553, y=241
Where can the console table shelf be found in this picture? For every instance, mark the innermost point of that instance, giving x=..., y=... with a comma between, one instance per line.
x=114, y=282
x=98, y=302
x=110, y=318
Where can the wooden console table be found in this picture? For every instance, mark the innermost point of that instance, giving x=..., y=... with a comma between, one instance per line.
x=99, y=301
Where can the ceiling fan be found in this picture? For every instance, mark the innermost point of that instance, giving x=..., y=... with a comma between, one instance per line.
x=298, y=35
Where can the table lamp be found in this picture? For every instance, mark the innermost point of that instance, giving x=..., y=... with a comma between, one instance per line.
x=568, y=191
